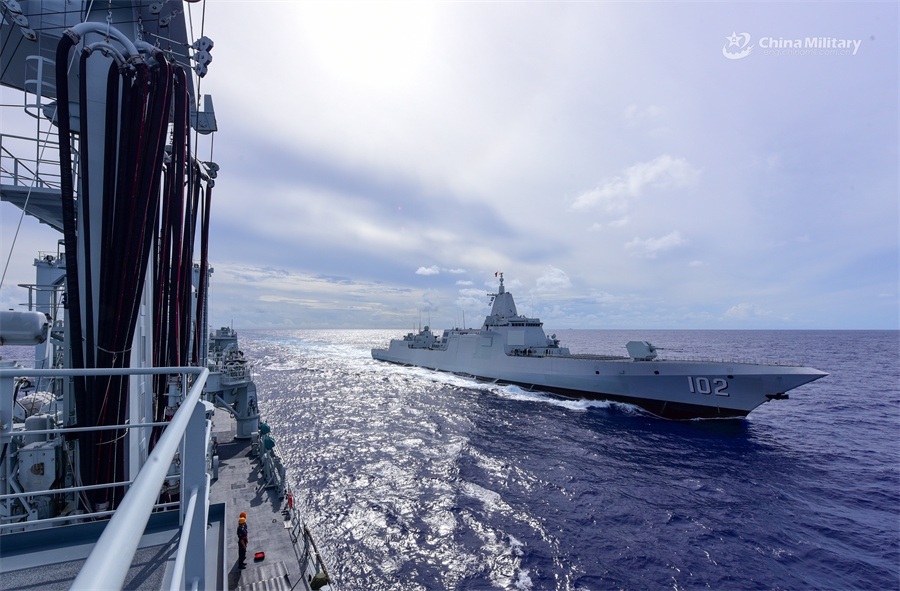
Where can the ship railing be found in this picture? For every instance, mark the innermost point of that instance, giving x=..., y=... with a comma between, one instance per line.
x=690, y=359
x=230, y=375
x=187, y=433
x=736, y=360
x=232, y=370
x=534, y=352
x=55, y=290
x=234, y=375
x=307, y=552
x=596, y=357
x=41, y=171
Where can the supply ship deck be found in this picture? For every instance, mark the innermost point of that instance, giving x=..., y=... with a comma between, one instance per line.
x=274, y=524
x=130, y=436
x=51, y=558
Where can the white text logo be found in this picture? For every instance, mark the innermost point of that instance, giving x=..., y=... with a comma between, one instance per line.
x=738, y=46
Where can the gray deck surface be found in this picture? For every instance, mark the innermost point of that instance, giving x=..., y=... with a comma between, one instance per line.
x=240, y=486
x=51, y=558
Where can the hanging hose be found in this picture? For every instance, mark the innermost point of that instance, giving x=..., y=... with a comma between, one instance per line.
x=149, y=184
x=181, y=254
x=135, y=135
x=113, y=280
x=167, y=304
x=143, y=216
x=204, y=275
x=180, y=150
x=84, y=198
x=70, y=230
x=188, y=263
x=133, y=211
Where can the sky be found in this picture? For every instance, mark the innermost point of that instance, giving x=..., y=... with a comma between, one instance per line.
x=625, y=165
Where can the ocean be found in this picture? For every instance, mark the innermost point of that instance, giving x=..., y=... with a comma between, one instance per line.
x=411, y=479
x=417, y=480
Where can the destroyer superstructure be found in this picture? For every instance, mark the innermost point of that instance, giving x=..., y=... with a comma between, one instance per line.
x=130, y=439
x=510, y=348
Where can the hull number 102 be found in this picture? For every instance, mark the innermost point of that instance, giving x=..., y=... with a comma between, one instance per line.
x=717, y=386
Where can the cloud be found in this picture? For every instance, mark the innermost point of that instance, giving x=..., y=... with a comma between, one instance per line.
x=745, y=310
x=472, y=293
x=440, y=142
x=664, y=172
x=597, y=226
x=464, y=282
x=473, y=300
x=603, y=297
x=430, y=302
x=650, y=247
x=553, y=279
x=634, y=114
x=435, y=270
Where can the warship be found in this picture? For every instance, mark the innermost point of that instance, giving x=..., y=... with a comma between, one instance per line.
x=510, y=348
x=131, y=441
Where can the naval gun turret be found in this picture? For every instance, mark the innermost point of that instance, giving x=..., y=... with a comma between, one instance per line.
x=641, y=350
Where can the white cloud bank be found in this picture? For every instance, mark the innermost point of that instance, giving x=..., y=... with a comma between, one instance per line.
x=553, y=279
x=651, y=247
x=435, y=270
x=745, y=310
x=613, y=194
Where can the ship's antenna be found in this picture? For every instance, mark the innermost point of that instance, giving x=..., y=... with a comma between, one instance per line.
x=464, y=320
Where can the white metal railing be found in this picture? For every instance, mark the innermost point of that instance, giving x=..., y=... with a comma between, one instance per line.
x=42, y=170
x=123, y=533
x=765, y=361
x=181, y=554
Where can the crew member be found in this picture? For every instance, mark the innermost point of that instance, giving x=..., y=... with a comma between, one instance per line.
x=243, y=539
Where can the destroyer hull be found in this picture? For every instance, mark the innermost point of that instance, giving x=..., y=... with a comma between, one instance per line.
x=667, y=388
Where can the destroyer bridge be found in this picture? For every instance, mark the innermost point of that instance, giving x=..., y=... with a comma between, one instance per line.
x=513, y=349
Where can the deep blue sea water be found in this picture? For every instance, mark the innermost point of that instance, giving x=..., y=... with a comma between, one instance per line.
x=411, y=479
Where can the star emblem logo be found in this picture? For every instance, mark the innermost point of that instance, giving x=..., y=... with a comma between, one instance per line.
x=739, y=40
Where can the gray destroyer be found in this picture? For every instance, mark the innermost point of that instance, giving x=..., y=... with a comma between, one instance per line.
x=510, y=348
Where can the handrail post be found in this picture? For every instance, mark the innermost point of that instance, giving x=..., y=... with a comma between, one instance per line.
x=193, y=477
x=178, y=570
x=7, y=390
